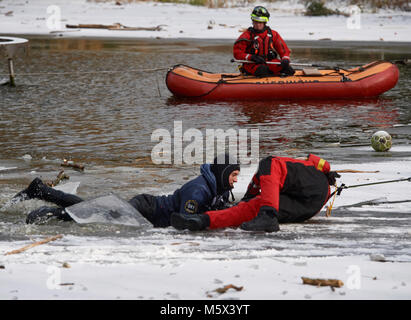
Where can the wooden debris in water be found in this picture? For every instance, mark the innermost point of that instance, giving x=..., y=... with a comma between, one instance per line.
x=59, y=236
x=323, y=282
x=355, y=171
x=115, y=26
x=71, y=164
x=61, y=176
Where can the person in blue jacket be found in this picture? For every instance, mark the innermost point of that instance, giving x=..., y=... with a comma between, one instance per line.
x=209, y=191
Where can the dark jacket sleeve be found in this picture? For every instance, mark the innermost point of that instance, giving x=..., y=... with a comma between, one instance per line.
x=195, y=198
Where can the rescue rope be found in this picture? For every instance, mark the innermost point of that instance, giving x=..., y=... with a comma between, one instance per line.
x=330, y=207
x=339, y=189
x=84, y=72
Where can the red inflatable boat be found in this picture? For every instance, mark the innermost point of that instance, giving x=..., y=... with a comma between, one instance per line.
x=367, y=81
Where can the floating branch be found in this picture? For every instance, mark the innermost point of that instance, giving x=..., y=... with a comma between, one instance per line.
x=60, y=176
x=71, y=164
x=59, y=236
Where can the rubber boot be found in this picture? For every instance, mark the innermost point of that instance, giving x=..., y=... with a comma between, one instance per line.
x=264, y=221
x=38, y=190
x=192, y=222
x=30, y=192
x=42, y=214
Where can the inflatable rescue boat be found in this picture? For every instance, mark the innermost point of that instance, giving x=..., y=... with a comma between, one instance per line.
x=367, y=81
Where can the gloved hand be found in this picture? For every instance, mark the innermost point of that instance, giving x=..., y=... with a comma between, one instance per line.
x=257, y=59
x=286, y=68
x=332, y=176
x=285, y=63
x=271, y=55
x=192, y=222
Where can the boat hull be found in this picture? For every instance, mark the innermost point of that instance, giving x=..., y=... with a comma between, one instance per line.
x=369, y=81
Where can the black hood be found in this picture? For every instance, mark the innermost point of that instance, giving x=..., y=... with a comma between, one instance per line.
x=222, y=170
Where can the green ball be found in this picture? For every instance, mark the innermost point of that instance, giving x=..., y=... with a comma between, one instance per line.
x=381, y=141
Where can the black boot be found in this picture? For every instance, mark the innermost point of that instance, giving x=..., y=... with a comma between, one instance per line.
x=192, y=222
x=38, y=190
x=266, y=220
x=42, y=214
x=30, y=192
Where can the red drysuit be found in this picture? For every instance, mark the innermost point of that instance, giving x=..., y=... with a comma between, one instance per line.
x=265, y=44
x=296, y=189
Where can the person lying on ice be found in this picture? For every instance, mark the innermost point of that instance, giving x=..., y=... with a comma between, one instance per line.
x=209, y=191
x=283, y=190
x=261, y=44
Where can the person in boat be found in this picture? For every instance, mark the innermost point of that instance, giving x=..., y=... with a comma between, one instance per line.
x=260, y=44
x=209, y=191
x=283, y=190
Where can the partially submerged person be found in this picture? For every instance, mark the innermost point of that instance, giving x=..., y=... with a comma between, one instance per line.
x=283, y=190
x=260, y=44
x=209, y=191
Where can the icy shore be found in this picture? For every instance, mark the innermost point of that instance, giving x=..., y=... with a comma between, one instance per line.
x=50, y=17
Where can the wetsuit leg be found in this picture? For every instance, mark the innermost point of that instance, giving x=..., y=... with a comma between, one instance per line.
x=38, y=190
x=146, y=205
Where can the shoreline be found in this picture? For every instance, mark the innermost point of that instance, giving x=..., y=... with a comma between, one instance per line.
x=174, y=21
x=301, y=43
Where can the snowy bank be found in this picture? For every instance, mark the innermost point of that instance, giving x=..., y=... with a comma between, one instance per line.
x=265, y=279
x=50, y=17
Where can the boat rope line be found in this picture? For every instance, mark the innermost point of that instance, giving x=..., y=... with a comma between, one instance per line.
x=85, y=72
x=339, y=189
x=207, y=93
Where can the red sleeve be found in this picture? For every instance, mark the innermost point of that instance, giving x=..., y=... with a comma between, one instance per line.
x=280, y=46
x=240, y=47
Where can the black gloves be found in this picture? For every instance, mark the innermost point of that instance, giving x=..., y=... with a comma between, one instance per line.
x=192, y=222
x=286, y=68
x=332, y=176
x=257, y=59
x=271, y=55
x=285, y=63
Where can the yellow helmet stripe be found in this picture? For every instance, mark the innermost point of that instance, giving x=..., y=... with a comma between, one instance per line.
x=259, y=19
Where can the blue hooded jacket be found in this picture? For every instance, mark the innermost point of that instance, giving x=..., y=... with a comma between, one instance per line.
x=196, y=196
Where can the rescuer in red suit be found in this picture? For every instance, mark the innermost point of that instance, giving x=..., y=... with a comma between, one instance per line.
x=283, y=190
x=260, y=44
